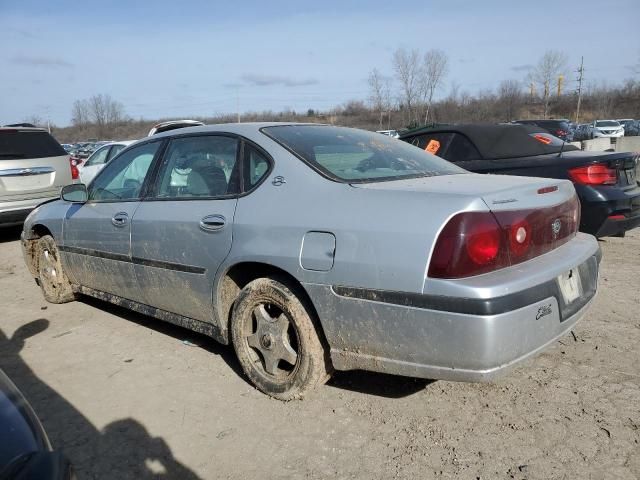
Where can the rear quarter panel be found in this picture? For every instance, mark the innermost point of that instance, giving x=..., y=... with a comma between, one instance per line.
x=383, y=238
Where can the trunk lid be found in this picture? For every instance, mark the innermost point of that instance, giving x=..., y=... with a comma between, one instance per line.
x=499, y=192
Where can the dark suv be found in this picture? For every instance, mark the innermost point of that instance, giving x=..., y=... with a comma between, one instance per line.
x=558, y=128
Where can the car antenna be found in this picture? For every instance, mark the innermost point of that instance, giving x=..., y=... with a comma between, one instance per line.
x=561, y=147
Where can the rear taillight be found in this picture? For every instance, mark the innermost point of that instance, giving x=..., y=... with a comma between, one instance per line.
x=596, y=174
x=75, y=173
x=472, y=243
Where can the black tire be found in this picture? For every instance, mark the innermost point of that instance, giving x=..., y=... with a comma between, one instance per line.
x=269, y=322
x=54, y=283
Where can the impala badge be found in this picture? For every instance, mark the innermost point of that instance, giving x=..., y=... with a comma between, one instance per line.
x=555, y=227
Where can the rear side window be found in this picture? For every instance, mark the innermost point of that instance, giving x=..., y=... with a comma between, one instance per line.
x=99, y=157
x=451, y=146
x=116, y=149
x=256, y=167
x=23, y=144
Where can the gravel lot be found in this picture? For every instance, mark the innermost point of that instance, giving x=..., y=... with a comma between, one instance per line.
x=126, y=397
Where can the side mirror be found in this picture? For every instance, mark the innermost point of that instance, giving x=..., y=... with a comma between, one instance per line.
x=74, y=193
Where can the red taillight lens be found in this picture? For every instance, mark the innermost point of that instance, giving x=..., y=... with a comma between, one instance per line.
x=596, y=174
x=469, y=244
x=479, y=242
x=75, y=173
x=483, y=242
x=542, y=138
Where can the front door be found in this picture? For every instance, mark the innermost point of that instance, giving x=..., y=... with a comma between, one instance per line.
x=96, y=235
x=182, y=231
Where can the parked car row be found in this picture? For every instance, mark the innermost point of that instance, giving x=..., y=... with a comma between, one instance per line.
x=569, y=131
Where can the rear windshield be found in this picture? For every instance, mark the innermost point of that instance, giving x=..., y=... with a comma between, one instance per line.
x=356, y=156
x=607, y=123
x=24, y=144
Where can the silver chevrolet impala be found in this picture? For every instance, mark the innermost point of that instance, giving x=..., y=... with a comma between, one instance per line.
x=313, y=248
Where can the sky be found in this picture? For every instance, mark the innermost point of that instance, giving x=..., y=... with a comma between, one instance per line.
x=168, y=59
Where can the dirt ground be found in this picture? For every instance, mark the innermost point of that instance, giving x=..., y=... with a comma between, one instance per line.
x=128, y=396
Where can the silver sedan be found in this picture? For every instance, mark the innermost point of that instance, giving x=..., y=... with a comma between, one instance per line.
x=313, y=247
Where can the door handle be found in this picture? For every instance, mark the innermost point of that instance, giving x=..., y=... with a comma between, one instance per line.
x=212, y=223
x=120, y=219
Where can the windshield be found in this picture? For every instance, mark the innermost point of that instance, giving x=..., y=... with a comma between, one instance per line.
x=607, y=123
x=351, y=155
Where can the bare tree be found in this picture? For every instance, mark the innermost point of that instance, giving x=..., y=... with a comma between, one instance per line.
x=35, y=120
x=433, y=71
x=105, y=111
x=380, y=94
x=101, y=110
x=80, y=113
x=407, y=67
x=552, y=64
x=511, y=98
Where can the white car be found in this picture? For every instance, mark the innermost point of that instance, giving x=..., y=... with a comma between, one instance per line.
x=173, y=125
x=99, y=159
x=607, y=129
x=389, y=133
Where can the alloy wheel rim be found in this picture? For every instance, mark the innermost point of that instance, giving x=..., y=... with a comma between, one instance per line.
x=49, y=269
x=272, y=340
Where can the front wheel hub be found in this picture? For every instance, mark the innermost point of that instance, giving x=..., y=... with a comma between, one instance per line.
x=266, y=341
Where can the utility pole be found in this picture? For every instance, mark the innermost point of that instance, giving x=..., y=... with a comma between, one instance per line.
x=238, y=102
x=560, y=82
x=48, y=119
x=580, y=79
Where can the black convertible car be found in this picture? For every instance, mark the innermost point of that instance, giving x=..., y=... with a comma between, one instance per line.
x=606, y=182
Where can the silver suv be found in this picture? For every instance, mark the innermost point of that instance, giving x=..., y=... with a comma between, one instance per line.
x=33, y=169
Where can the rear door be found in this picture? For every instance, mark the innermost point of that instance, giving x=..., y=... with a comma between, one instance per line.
x=96, y=235
x=32, y=165
x=183, y=229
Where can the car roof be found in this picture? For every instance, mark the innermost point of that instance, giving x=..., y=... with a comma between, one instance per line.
x=246, y=129
x=25, y=129
x=497, y=141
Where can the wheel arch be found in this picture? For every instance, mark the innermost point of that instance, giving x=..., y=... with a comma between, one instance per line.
x=235, y=277
x=30, y=246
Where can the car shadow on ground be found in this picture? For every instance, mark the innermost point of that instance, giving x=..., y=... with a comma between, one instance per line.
x=188, y=337
x=371, y=383
x=378, y=384
x=10, y=234
x=123, y=449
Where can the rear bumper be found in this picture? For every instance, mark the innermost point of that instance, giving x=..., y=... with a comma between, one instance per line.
x=13, y=217
x=618, y=225
x=458, y=341
x=15, y=212
x=608, y=211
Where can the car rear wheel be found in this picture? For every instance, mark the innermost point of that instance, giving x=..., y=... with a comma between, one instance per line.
x=276, y=341
x=55, y=285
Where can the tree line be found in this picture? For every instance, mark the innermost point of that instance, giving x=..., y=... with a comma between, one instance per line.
x=412, y=95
